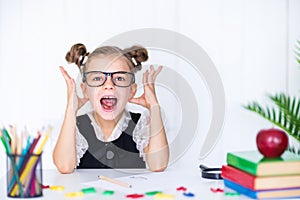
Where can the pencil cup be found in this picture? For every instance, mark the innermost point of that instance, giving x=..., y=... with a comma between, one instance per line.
x=24, y=175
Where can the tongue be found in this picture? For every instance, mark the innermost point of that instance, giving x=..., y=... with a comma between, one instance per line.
x=108, y=103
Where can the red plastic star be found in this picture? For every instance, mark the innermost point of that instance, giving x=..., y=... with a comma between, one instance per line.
x=215, y=190
x=134, y=196
x=181, y=188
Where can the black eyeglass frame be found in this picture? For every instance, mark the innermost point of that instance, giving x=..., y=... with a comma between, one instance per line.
x=111, y=74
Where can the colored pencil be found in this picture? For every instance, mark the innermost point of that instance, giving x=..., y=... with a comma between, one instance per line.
x=117, y=182
x=14, y=139
x=6, y=134
x=30, y=151
x=3, y=142
x=24, y=152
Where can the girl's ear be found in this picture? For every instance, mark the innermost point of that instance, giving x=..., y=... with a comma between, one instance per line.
x=83, y=88
x=133, y=91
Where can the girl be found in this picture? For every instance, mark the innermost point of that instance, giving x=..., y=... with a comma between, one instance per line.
x=110, y=136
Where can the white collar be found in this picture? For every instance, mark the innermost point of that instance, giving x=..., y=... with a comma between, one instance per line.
x=119, y=128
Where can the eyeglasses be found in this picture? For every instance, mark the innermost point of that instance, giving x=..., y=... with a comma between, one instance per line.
x=98, y=78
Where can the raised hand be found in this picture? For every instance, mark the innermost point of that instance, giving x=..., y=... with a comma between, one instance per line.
x=74, y=102
x=148, y=98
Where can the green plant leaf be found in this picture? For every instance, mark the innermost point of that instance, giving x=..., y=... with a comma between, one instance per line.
x=284, y=114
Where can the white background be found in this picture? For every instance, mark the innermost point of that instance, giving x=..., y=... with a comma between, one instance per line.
x=251, y=43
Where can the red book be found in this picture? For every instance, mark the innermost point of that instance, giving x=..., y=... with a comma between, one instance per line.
x=257, y=182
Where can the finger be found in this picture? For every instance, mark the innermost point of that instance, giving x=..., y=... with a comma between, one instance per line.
x=69, y=81
x=151, y=68
x=145, y=77
x=133, y=100
x=137, y=101
x=82, y=101
x=158, y=70
x=151, y=74
x=71, y=85
x=64, y=73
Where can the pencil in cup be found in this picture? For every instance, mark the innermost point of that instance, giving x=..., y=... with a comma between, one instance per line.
x=31, y=184
x=117, y=182
x=30, y=164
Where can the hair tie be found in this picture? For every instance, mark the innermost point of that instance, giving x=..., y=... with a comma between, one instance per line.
x=83, y=59
x=133, y=61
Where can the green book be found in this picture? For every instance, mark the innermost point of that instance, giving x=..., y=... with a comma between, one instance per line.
x=256, y=164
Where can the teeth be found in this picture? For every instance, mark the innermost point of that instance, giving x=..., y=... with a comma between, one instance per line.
x=107, y=97
x=108, y=102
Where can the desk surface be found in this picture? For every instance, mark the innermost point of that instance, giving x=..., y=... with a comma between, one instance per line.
x=74, y=182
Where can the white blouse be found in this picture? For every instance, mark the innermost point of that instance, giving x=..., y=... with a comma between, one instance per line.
x=140, y=133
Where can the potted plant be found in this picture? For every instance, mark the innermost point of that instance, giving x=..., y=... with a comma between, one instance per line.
x=285, y=111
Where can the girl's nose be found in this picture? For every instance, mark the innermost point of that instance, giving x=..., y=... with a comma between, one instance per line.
x=108, y=83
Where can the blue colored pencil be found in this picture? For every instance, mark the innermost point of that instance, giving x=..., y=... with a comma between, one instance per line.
x=24, y=152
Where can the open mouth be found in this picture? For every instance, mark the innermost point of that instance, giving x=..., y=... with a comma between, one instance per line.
x=108, y=103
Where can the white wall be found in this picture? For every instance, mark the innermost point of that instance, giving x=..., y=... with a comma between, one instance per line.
x=250, y=41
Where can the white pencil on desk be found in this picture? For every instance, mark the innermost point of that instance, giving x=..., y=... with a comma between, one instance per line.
x=121, y=183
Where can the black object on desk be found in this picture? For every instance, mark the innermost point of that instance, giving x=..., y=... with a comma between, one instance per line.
x=210, y=173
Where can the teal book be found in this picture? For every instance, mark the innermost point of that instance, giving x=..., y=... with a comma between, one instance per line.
x=263, y=194
x=256, y=164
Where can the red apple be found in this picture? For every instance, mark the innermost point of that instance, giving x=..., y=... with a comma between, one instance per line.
x=271, y=142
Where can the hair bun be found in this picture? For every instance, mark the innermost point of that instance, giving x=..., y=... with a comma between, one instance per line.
x=138, y=53
x=76, y=54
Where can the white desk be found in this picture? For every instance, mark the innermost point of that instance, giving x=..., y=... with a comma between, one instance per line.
x=73, y=183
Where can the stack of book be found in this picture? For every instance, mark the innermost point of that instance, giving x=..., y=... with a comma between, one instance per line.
x=251, y=174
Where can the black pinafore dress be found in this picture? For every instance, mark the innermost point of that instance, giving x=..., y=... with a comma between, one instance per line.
x=120, y=153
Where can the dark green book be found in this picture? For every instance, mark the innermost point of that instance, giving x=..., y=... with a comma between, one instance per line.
x=254, y=163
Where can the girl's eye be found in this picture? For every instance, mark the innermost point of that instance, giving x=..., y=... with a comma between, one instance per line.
x=97, y=78
x=120, y=78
